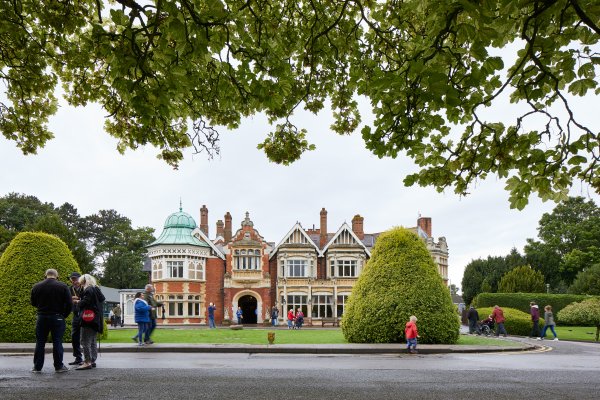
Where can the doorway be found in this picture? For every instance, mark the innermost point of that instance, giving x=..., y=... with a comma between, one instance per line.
x=248, y=304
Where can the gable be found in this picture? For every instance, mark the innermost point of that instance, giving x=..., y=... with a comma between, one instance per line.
x=345, y=237
x=297, y=236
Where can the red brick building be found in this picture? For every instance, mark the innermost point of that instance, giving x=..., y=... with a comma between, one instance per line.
x=311, y=269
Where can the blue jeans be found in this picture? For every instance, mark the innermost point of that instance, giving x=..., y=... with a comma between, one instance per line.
x=211, y=321
x=54, y=324
x=290, y=322
x=411, y=343
x=274, y=321
x=142, y=329
x=546, y=328
x=500, y=329
x=150, y=329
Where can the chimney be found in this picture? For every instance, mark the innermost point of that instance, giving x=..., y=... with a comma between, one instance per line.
x=357, y=226
x=425, y=224
x=323, y=230
x=227, y=231
x=220, y=229
x=204, y=220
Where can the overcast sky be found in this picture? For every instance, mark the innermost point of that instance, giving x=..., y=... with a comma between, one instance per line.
x=81, y=166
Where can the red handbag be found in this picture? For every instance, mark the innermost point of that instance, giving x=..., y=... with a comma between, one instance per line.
x=88, y=315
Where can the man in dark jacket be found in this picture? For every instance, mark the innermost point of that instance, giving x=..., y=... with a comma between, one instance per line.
x=535, y=319
x=53, y=302
x=76, y=291
x=473, y=317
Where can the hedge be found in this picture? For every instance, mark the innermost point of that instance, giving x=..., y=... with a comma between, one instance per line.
x=398, y=281
x=22, y=265
x=517, y=322
x=520, y=301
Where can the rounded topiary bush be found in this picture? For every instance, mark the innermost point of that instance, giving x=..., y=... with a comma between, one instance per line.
x=398, y=281
x=22, y=265
x=517, y=322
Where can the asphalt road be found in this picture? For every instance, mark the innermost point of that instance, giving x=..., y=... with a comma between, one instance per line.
x=565, y=371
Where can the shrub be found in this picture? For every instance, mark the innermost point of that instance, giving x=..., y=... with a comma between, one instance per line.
x=520, y=301
x=22, y=265
x=522, y=279
x=586, y=313
x=398, y=281
x=587, y=282
x=517, y=322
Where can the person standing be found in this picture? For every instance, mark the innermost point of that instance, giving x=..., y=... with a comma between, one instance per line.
x=76, y=291
x=118, y=313
x=240, y=315
x=548, y=323
x=149, y=297
x=299, y=318
x=473, y=317
x=53, y=302
x=290, y=318
x=141, y=317
x=211, y=315
x=411, y=332
x=274, y=315
x=535, y=320
x=498, y=316
x=91, y=306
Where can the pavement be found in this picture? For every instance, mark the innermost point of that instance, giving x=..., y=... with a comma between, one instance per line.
x=516, y=344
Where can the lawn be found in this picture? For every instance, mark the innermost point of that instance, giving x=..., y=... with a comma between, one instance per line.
x=573, y=333
x=259, y=336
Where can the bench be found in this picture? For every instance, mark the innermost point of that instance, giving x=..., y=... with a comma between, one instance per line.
x=332, y=321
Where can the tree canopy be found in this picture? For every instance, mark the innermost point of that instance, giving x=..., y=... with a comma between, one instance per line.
x=522, y=279
x=168, y=73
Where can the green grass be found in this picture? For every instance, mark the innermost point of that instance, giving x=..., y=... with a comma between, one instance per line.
x=259, y=336
x=573, y=333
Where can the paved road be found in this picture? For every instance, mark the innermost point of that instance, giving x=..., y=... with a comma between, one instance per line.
x=566, y=371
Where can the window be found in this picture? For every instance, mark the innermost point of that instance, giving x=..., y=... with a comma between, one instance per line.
x=157, y=272
x=247, y=259
x=295, y=301
x=296, y=268
x=342, y=299
x=180, y=306
x=175, y=269
x=193, y=306
x=343, y=268
x=197, y=269
x=322, y=306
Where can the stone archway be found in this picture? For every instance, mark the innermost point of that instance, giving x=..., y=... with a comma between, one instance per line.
x=249, y=304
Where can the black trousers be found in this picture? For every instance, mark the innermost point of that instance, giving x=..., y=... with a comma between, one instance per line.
x=535, y=330
x=76, y=338
x=55, y=325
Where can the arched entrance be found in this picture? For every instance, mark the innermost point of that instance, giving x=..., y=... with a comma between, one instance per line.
x=248, y=304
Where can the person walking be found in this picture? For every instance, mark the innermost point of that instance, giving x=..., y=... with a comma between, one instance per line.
x=240, y=315
x=149, y=297
x=412, y=333
x=548, y=323
x=535, y=320
x=76, y=290
x=274, y=315
x=53, y=302
x=92, y=322
x=498, y=316
x=290, y=318
x=141, y=316
x=211, y=315
x=473, y=317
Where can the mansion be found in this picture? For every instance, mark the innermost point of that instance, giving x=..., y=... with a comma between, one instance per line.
x=312, y=269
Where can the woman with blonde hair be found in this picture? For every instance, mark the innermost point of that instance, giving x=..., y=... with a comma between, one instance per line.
x=548, y=322
x=91, y=308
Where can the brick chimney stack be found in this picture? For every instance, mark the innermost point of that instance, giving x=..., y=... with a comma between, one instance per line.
x=227, y=231
x=357, y=226
x=204, y=220
x=425, y=224
x=323, y=230
x=220, y=229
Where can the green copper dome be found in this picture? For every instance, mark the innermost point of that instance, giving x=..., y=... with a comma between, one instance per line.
x=178, y=230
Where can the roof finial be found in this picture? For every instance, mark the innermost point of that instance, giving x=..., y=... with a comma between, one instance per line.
x=180, y=205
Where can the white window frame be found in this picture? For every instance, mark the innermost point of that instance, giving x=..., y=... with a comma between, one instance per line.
x=175, y=269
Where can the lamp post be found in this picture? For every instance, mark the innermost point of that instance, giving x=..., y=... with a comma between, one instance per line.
x=547, y=288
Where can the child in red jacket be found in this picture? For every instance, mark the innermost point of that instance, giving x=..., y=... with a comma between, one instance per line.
x=411, y=334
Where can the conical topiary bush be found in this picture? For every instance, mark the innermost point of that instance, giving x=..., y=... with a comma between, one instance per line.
x=398, y=281
x=22, y=265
